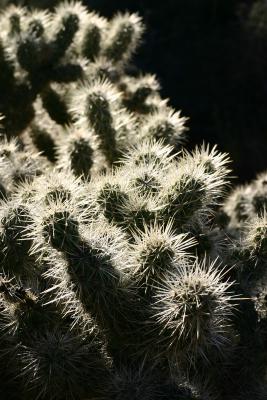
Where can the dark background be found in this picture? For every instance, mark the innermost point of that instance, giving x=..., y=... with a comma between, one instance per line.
x=211, y=59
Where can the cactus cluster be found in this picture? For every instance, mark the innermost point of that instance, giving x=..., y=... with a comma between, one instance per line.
x=122, y=273
x=66, y=90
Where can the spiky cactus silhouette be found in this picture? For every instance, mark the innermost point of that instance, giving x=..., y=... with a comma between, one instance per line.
x=121, y=274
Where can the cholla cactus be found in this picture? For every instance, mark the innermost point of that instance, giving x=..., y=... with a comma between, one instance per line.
x=247, y=202
x=115, y=278
x=192, y=311
x=97, y=256
x=158, y=252
x=65, y=71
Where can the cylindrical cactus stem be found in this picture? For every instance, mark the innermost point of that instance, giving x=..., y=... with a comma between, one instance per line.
x=32, y=49
x=12, y=20
x=125, y=33
x=79, y=153
x=166, y=125
x=100, y=117
x=138, y=91
x=94, y=262
x=215, y=167
x=105, y=292
x=91, y=42
x=81, y=157
x=184, y=198
x=61, y=230
x=193, y=310
x=191, y=190
x=56, y=220
x=238, y=206
x=157, y=252
x=91, y=35
x=15, y=256
x=94, y=106
x=255, y=239
x=99, y=281
x=111, y=198
x=68, y=27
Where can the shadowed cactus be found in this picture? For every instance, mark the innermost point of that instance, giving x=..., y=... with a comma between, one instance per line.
x=15, y=257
